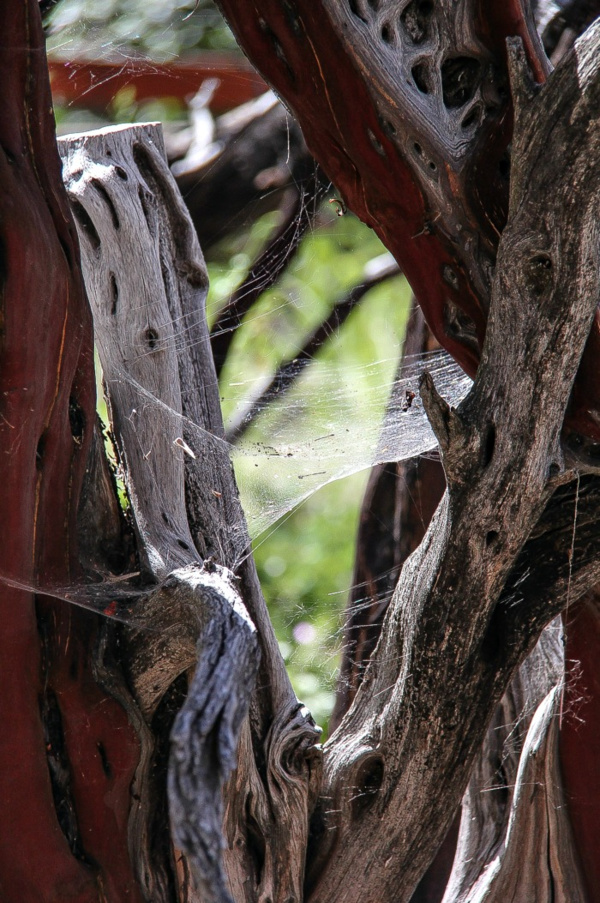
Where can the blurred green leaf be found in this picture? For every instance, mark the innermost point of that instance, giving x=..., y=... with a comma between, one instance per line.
x=158, y=29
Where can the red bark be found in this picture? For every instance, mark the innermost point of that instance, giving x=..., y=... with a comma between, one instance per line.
x=93, y=84
x=47, y=402
x=580, y=734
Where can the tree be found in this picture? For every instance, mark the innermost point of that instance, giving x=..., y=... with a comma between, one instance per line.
x=417, y=142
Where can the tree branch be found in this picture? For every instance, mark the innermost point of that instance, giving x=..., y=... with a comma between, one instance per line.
x=442, y=663
x=270, y=264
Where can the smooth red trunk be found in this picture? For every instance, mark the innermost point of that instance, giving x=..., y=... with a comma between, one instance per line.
x=94, y=84
x=52, y=714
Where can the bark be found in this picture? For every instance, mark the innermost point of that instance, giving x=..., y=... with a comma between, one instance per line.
x=67, y=754
x=520, y=837
x=580, y=732
x=412, y=732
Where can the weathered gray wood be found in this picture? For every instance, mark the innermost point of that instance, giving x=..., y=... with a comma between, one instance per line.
x=147, y=286
x=459, y=623
x=527, y=868
x=486, y=806
x=118, y=228
x=133, y=275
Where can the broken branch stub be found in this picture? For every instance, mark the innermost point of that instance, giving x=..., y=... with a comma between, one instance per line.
x=147, y=285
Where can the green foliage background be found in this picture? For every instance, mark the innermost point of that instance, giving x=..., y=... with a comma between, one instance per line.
x=305, y=563
x=159, y=29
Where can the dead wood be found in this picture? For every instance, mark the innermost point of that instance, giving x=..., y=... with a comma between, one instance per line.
x=455, y=632
x=147, y=285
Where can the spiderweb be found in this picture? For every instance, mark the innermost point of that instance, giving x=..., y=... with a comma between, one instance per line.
x=302, y=453
x=312, y=439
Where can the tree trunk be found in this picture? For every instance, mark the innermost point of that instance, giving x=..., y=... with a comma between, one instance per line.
x=340, y=41
x=68, y=753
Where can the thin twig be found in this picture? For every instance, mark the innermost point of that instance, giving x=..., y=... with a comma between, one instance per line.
x=269, y=265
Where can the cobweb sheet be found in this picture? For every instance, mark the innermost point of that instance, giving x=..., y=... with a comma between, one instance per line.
x=313, y=440
x=326, y=437
x=314, y=437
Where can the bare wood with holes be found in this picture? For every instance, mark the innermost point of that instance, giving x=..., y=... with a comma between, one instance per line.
x=147, y=285
x=470, y=602
x=458, y=655
x=196, y=677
